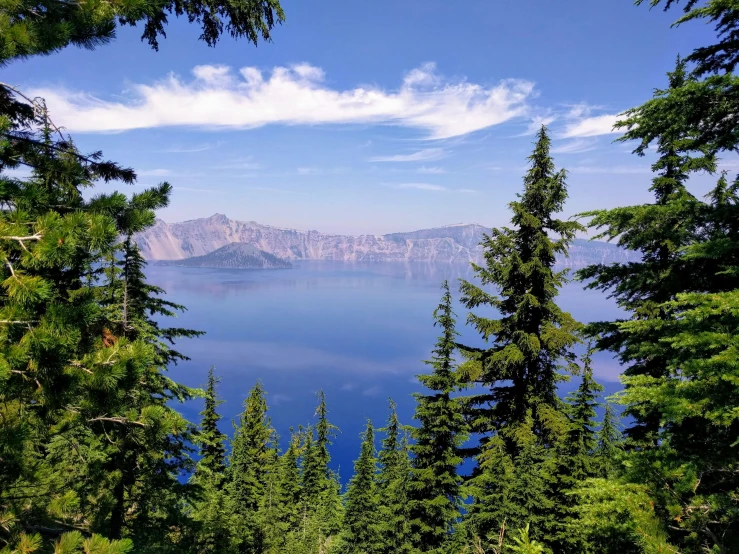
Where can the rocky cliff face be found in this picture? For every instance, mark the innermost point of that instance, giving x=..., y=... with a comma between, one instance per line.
x=452, y=244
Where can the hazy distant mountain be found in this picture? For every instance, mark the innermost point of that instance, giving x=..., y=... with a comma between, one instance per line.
x=234, y=255
x=454, y=243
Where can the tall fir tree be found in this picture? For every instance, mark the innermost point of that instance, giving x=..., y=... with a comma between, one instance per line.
x=435, y=489
x=491, y=489
x=533, y=339
x=393, y=482
x=253, y=457
x=573, y=461
x=608, y=443
x=360, y=533
x=580, y=440
x=659, y=232
x=210, y=439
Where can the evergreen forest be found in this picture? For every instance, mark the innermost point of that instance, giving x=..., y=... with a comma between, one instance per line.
x=95, y=457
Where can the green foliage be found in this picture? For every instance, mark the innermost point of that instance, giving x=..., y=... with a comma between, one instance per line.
x=435, y=488
x=253, y=459
x=393, y=482
x=609, y=444
x=532, y=340
x=42, y=27
x=361, y=530
x=210, y=439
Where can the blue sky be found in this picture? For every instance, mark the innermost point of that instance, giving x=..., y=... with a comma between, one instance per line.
x=373, y=117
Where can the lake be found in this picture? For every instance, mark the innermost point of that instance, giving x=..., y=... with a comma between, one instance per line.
x=359, y=331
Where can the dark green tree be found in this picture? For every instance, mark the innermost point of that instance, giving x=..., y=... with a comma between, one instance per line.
x=704, y=107
x=491, y=488
x=659, y=232
x=361, y=534
x=533, y=339
x=580, y=441
x=42, y=27
x=435, y=490
x=253, y=456
x=608, y=443
x=210, y=439
x=393, y=483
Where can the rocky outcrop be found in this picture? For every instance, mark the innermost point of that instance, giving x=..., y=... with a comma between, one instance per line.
x=453, y=244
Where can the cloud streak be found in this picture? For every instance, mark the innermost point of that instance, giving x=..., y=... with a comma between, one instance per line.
x=426, y=155
x=433, y=188
x=592, y=126
x=218, y=97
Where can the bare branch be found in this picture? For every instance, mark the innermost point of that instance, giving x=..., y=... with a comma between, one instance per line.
x=121, y=420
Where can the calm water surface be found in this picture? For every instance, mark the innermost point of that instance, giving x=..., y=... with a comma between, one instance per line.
x=357, y=331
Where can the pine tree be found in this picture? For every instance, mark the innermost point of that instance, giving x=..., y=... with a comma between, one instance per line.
x=704, y=109
x=533, y=339
x=360, y=530
x=393, y=482
x=659, y=231
x=210, y=438
x=252, y=458
x=325, y=431
x=491, y=488
x=573, y=462
x=435, y=489
x=89, y=26
x=580, y=441
x=531, y=499
x=608, y=444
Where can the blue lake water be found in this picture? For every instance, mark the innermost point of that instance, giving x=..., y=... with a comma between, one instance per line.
x=359, y=331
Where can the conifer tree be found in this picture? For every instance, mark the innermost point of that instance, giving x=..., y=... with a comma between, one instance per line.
x=580, y=440
x=393, y=482
x=608, y=443
x=573, y=461
x=491, y=488
x=532, y=341
x=84, y=25
x=210, y=438
x=531, y=500
x=435, y=489
x=360, y=532
x=253, y=456
x=325, y=431
x=659, y=232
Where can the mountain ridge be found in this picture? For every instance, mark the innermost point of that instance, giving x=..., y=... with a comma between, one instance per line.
x=456, y=243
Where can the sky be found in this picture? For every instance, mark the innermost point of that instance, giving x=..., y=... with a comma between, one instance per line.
x=373, y=117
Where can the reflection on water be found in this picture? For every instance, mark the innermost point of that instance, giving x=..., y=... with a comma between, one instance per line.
x=305, y=275
x=359, y=331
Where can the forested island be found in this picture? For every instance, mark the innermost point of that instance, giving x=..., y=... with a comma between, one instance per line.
x=95, y=457
x=236, y=255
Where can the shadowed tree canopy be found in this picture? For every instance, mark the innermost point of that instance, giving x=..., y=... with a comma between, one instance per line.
x=42, y=27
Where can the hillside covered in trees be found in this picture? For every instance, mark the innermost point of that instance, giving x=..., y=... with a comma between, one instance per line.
x=95, y=457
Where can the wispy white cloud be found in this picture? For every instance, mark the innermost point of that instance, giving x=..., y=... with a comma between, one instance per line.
x=239, y=163
x=592, y=126
x=278, y=399
x=537, y=121
x=431, y=187
x=154, y=172
x=189, y=189
x=576, y=146
x=218, y=97
x=319, y=170
x=431, y=170
x=426, y=155
x=191, y=149
x=372, y=391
